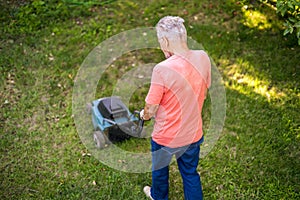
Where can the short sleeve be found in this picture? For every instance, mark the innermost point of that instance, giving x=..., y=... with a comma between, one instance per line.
x=156, y=90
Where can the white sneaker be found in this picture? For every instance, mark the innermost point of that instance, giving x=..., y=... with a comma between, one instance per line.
x=147, y=191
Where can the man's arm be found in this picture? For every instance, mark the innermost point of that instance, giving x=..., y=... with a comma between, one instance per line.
x=149, y=111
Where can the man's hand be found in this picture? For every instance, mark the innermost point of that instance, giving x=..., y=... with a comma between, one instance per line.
x=149, y=111
x=142, y=114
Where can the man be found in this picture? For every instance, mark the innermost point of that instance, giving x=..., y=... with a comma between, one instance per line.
x=175, y=98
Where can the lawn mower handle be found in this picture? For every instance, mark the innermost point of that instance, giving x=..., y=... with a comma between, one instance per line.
x=141, y=121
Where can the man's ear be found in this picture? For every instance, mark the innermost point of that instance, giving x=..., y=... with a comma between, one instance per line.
x=166, y=42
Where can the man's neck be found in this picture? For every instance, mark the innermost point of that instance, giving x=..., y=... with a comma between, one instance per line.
x=179, y=49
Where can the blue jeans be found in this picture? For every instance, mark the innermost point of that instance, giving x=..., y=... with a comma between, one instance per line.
x=187, y=160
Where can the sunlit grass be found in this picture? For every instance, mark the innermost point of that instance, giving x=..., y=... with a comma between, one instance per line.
x=255, y=19
x=242, y=82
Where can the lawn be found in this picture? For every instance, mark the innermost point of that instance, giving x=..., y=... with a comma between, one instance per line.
x=43, y=47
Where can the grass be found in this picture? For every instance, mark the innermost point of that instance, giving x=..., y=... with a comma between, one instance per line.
x=42, y=156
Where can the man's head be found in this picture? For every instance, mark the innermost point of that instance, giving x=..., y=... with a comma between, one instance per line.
x=171, y=34
x=172, y=28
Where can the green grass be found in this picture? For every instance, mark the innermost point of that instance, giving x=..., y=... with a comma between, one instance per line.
x=42, y=156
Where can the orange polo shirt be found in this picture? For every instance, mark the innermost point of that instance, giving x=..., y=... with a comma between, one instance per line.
x=179, y=86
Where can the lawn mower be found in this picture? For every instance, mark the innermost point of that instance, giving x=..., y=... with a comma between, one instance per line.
x=113, y=122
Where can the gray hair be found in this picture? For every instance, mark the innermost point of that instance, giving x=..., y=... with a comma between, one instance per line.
x=172, y=28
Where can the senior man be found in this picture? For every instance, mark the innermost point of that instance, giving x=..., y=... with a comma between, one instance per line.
x=177, y=92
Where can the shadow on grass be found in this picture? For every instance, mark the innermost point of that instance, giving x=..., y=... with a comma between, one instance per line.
x=258, y=155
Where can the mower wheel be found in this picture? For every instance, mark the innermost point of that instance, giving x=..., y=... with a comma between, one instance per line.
x=99, y=139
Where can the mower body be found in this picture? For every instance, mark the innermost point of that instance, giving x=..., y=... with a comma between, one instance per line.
x=113, y=121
